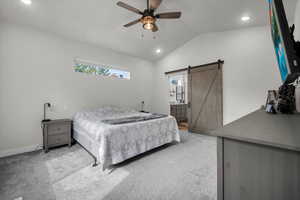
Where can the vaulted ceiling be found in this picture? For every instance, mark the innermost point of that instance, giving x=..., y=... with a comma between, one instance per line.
x=100, y=22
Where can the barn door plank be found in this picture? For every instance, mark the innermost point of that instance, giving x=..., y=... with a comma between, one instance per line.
x=205, y=98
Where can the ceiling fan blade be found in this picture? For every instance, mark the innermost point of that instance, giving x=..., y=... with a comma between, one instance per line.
x=155, y=28
x=168, y=15
x=132, y=23
x=154, y=4
x=128, y=7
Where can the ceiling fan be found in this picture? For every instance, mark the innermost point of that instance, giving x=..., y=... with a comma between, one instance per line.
x=149, y=17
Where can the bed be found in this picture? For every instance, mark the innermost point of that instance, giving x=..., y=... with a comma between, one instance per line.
x=112, y=135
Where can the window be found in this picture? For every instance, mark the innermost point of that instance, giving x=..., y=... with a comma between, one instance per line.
x=97, y=69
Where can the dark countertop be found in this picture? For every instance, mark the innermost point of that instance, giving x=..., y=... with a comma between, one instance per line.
x=282, y=131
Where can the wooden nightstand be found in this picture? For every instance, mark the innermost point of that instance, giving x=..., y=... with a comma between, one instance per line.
x=56, y=133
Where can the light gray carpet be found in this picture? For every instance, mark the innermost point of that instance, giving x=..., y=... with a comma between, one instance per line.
x=184, y=171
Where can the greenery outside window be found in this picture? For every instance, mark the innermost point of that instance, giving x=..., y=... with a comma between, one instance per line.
x=96, y=69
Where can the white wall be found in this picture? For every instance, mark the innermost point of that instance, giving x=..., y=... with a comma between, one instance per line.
x=297, y=21
x=250, y=68
x=36, y=67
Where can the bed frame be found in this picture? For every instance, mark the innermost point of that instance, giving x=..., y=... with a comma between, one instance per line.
x=95, y=164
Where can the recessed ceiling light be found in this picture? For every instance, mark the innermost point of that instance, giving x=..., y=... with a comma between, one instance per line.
x=26, y=2
x=245, y=18
x=158, y=51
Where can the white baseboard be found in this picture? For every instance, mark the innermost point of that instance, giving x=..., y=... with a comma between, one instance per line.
x=11, y=152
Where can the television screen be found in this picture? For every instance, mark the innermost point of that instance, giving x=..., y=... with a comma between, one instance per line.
x=279, y=45
x=283, y=44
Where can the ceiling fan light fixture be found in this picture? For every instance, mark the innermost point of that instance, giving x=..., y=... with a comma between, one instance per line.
x=149, y=16
x=148, y=22
x=148, y=26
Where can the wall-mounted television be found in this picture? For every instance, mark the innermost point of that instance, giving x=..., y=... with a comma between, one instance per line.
x=288, y=61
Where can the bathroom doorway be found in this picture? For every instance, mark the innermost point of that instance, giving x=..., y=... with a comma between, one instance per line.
x=178, y=98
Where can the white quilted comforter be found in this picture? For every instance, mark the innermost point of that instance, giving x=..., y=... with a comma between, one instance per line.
x=120, y=142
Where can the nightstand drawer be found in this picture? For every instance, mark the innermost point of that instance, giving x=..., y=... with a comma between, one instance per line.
x=61, y=139
x=55, y=129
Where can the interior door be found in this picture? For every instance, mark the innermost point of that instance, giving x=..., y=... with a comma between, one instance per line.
x=205, y=108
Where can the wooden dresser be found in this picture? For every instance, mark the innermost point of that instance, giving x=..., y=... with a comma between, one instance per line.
x=259, y=158
x=56, y=133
